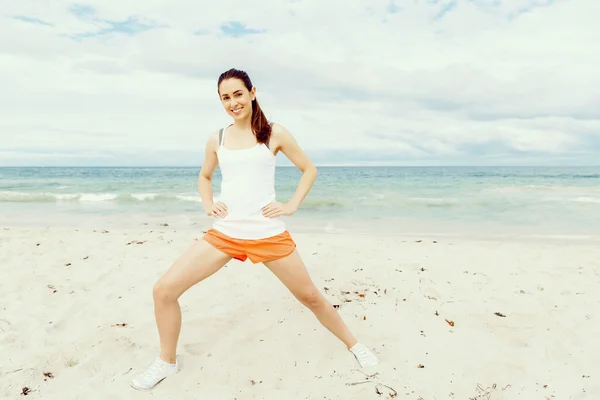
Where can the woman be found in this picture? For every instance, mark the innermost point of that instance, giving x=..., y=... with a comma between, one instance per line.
x=247, y=223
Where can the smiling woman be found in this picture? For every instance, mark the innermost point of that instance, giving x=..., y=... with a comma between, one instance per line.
x=246, y=226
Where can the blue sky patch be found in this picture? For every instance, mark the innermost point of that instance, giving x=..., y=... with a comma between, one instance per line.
x=32, y=20
x=533, y=5
x=445, y=10
x=237, y=29
x=392, y=8
x=82, y=10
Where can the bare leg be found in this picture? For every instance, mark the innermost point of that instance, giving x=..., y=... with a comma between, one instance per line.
x=200, y=261
x=292, y=272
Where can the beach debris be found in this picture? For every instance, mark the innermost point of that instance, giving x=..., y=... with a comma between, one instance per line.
x=48, y=375
x=51, y=287
x=128, y=371
x=500, y=314
x=38, y=244
x=104, y=231
x=325, y=288
x=420, y=366
x=364, y=318
x=164, y=224
x=67, y=264
x=435, y=241
x=418, y=241
x=378, y=385
x=12, y=372
x=3, y=321
x=86, y=257
x=121, y=325
x=486, y=393
x=136, y=242
x=437, y=313
x=336, y=306
x=25, y=391
x=450, y=322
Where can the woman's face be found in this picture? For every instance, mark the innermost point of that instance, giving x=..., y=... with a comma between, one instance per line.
x=236, y=99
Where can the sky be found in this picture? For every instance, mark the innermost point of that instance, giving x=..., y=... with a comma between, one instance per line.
x=361, y=82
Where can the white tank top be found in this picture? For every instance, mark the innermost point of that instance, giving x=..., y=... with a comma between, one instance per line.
x=247, y=185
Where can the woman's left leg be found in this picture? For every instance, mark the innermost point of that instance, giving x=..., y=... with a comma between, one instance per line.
x=292, y=272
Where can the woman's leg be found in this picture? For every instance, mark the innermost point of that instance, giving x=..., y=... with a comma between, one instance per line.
x=292, y=272
x=200, y=261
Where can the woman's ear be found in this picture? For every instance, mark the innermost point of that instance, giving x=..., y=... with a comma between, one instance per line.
x=253, y=93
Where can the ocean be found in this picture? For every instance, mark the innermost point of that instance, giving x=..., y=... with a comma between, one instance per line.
x=425, y=200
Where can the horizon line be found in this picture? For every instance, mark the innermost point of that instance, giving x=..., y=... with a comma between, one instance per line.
x=316, y=165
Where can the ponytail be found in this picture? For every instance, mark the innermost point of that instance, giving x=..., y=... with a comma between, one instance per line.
x=260, y=123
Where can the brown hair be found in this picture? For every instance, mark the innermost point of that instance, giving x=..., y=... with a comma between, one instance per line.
x=260, y=123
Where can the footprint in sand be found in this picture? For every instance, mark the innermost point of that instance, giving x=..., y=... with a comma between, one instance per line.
x=195, y=349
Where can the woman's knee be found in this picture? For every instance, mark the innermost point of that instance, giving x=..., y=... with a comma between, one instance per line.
x=163, y=292
x=312, y=299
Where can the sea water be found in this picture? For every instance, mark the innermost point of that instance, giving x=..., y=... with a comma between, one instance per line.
x=451, y=200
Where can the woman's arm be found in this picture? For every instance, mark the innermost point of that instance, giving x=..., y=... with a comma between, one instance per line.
x=205, y=178
x=285, y=142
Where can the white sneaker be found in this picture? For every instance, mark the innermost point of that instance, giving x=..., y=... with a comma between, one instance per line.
x=364, y=356
x=156, y=372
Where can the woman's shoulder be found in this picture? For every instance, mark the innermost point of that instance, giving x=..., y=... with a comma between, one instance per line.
x=278, y=129
x=281, y=137
x=213, y=139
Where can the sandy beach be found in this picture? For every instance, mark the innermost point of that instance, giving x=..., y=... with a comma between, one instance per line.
x=450, y=318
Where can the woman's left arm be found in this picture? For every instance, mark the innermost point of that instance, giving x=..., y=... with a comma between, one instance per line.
x=286, y=143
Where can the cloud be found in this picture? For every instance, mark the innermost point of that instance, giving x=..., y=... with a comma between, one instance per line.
x=433, y=82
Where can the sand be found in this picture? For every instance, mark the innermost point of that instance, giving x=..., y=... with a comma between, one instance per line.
x=450, y=318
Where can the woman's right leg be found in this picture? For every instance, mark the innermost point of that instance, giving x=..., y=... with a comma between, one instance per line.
x=200, y=261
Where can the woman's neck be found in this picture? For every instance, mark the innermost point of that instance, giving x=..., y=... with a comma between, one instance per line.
x=243, y=124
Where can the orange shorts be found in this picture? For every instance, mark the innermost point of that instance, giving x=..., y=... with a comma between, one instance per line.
x=257, y=250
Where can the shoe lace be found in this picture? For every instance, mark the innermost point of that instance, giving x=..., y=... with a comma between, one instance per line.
x=363, y=353
x=152, y=370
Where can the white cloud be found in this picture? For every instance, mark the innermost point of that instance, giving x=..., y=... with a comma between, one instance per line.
x=433, y=82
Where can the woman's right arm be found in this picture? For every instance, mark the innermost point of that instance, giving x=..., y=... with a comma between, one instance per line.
x=205, y=178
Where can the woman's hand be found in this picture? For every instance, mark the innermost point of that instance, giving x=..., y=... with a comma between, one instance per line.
x=218, y=210
x=277, y=209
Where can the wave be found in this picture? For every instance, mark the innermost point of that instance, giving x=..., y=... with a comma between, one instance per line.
x=37, y=197
x=595, y=200
x=433, y=201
